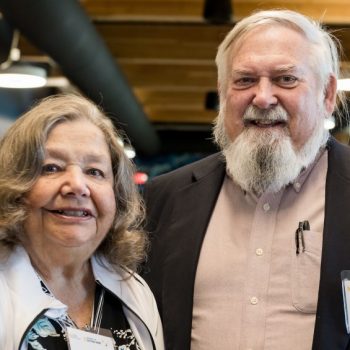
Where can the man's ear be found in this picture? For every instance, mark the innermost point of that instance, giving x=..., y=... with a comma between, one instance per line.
x=330, y=95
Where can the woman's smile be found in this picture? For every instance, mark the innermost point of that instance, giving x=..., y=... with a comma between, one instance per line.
x=72, y=203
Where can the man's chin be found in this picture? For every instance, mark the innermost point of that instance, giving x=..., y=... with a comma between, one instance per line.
x=266, y=132
x=265, y=160
x=262, y=160
x=267, y=127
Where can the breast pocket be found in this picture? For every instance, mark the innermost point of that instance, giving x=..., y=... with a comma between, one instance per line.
x=306, y=273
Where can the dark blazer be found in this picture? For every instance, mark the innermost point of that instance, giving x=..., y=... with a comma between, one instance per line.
x=179, y=205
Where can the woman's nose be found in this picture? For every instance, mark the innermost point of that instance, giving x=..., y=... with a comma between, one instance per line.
x=264, y=97
x=75, y=183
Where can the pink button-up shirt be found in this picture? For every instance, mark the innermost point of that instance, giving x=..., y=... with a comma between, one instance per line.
x=252, y=291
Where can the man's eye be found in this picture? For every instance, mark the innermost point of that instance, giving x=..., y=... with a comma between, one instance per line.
x=243, y=82
x=286, y=80
x=95, y=172
x=50, y=169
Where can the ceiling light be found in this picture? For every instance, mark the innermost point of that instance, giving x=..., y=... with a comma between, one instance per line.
x=17, y=74
x=129, y=151
x=343, y=84
x=329, y=123
x=140, y=178
x=22, y=76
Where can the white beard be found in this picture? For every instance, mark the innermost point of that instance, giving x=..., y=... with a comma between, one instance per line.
x=262, y=160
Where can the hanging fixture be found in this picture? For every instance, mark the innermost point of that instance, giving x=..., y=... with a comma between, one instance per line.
x=20, y=75
x=217, y=11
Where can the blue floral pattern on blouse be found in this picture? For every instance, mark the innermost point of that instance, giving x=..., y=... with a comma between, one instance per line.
x=50, y=334
x=43, y=328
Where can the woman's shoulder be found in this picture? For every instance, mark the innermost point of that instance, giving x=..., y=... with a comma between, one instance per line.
x=119, y=279
x=133, y=292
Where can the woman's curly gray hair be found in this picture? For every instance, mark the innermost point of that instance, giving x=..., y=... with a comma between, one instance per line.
x=22, y=152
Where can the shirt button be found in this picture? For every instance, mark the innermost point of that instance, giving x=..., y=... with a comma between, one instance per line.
x=259, y=252
x=253, y=300
x=266, y=206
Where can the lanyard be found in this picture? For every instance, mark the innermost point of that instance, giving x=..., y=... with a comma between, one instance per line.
x=92, y=337
x=95, y=322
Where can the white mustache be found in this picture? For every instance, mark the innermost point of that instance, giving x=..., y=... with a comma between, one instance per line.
x=277, y=113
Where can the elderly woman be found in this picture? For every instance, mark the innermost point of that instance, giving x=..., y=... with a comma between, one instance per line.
x=70, y=240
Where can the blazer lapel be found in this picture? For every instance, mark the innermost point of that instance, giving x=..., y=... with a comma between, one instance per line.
x=191, y=213
x=330, y=331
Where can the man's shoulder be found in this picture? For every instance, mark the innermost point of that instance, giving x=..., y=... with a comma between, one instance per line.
x=337, y=147
x=339, y=155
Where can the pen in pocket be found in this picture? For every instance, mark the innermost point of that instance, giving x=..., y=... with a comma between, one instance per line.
x=299, y=236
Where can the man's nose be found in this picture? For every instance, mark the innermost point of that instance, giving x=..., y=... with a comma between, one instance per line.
x=264, y=97
x=75, y=183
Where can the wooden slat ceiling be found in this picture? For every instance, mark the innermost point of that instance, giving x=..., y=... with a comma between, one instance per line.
x=167, y=50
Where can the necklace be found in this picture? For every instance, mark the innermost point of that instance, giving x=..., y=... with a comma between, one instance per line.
x=95, y=322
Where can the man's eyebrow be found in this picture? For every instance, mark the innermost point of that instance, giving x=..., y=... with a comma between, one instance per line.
x=286, y=68
x=242, y=72
x=280, y=69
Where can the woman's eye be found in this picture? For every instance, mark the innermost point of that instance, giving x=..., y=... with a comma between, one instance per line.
x=96, y=172
x=50, y=169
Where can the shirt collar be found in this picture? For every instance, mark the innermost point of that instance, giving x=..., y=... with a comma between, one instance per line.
x=298, y=183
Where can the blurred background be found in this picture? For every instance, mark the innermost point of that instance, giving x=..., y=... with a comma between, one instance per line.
x=148, y=63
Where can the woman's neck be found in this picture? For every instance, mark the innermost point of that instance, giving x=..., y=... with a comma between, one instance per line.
x=72, y=283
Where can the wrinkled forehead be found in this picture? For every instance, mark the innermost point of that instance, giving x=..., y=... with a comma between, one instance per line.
x=256, y=29
x=272, y=45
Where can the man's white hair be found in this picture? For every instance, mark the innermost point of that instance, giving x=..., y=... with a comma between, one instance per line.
x=324, y=46
x=267, y=161
x=324, y=55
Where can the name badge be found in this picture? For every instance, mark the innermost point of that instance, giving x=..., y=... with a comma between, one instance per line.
x=79, y=339
x=345, y=276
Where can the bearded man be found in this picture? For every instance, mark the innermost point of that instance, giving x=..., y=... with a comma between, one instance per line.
x=248, y=245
